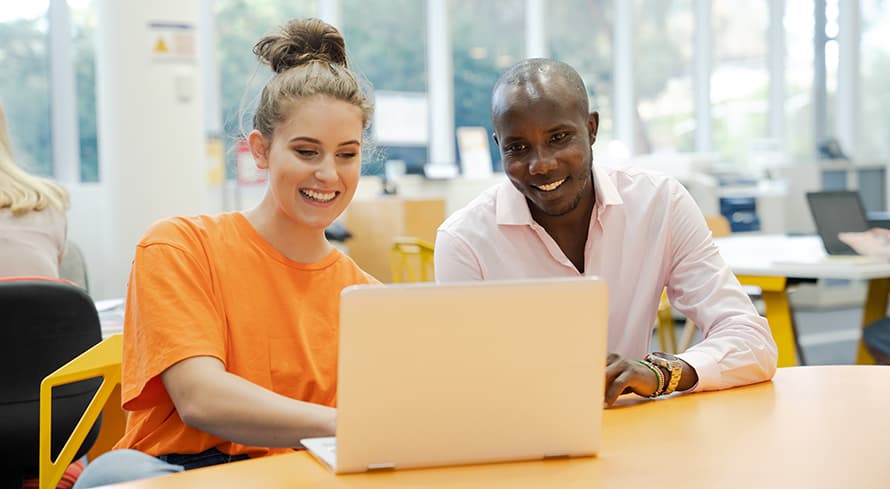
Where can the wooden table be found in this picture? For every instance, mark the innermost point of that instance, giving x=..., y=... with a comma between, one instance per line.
x=773, y=262
x=811, y=427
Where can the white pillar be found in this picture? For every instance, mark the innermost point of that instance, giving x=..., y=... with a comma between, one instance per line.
x=623, y=82
x=209, y=70
x=151, y=125
x=535, y=33
x=849, y=77
x=776, y=55
x=702, y=76
x=440, y=83
x=63, y=93
x=329, y=11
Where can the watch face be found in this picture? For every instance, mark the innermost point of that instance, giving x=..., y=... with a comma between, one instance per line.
x=663, y=356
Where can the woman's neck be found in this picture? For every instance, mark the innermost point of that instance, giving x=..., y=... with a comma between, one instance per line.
x=300, y=244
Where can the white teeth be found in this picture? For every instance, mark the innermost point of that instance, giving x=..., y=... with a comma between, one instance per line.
x=319, y=196
x=550, y=186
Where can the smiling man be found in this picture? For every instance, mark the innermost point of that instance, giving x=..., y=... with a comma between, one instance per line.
x=562, y=216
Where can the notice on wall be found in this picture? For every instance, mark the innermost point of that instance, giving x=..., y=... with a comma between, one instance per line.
x=172, y=42
x=475, y=154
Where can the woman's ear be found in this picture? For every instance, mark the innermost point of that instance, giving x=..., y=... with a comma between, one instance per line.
x=259, y=148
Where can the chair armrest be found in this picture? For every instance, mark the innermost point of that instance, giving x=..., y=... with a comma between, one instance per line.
x=102, y=360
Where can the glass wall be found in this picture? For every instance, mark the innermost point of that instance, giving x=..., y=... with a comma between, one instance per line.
x=664, y=33
x=739, y=78
x=580, y=33
x=25, y=83
x=875, y=100
x=390, y=51
x=83, y=38
x=487, y=38
x=239, y=25
x=798, y=23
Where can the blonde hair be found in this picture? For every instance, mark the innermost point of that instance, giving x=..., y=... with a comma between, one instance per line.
x=19, y=191
x=308, y=57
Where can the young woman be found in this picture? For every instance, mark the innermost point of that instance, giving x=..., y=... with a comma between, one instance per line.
x=230, y=336
x=32, y=218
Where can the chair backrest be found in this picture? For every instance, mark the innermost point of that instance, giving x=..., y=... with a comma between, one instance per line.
x=45, y=324
x=411, y=260
x=719, y=225
x=74, y=267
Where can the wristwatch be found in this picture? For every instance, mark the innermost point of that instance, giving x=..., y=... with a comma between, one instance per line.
x=672, y=364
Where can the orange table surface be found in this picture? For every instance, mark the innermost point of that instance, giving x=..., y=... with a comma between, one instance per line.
x=811, y=427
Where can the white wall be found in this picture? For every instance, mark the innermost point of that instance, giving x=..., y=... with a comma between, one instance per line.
x=150, y=122
x=89, y=226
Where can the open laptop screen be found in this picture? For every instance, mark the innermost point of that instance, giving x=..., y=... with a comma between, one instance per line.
x=836, y=212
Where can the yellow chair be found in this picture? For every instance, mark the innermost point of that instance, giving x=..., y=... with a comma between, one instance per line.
x=411, y=260
x=666, y=336
x=103, y=360
x=719, y=226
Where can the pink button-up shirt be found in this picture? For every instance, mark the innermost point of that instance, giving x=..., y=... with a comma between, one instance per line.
x=645, y=233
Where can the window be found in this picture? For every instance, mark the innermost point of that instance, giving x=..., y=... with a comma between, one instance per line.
x=740, y=79
x=487, y=38
x=875, y=101
x=663, y=49
x=390, y=51
x=580, y=33
x=239, y=25
x=24, y=83
x=83, y=53
x=798, y=24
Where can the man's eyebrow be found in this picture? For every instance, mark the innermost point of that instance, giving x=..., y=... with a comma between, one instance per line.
x=510, y=139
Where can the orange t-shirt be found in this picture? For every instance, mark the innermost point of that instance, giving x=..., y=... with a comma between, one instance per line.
x=212, y=286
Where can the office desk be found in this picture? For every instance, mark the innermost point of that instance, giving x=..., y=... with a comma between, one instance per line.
x=770, y=262
x=811, y=427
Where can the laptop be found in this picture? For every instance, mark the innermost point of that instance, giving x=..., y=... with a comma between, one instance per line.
x=465, y=373
x=835, y=212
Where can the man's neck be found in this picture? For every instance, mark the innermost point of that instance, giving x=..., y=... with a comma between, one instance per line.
x=570, y=230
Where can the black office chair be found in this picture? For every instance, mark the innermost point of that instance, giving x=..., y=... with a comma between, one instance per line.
x=44, y=324
x=73, y=267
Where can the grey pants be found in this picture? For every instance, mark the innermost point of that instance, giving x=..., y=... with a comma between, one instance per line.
x=121, y=466
x=129, y=465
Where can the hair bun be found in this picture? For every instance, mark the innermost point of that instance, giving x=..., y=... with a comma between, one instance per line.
x=299, y=42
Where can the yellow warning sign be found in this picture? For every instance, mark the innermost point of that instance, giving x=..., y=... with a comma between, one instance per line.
x=171, y=42
x=161, y=46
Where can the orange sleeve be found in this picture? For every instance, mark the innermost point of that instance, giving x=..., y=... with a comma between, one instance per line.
x=171, y=314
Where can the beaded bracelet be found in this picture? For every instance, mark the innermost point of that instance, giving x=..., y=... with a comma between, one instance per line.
x=658, y=374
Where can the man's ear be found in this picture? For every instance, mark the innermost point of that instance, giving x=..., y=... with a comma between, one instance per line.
x=259, y=148
x=593, y=124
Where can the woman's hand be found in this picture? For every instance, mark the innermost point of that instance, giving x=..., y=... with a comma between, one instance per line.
x=874, y=242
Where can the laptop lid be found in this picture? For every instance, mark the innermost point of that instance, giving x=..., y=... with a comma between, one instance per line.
x=835, y=212
x=447, y=374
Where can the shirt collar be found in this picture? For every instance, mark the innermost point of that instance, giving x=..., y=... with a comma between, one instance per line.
x=512, y=208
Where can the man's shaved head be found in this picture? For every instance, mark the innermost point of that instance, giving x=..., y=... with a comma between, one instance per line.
x=535, y=77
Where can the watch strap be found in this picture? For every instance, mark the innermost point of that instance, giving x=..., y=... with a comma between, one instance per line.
x=674, y=367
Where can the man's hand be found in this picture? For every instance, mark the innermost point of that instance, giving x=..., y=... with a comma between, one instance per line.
x=624, y=376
